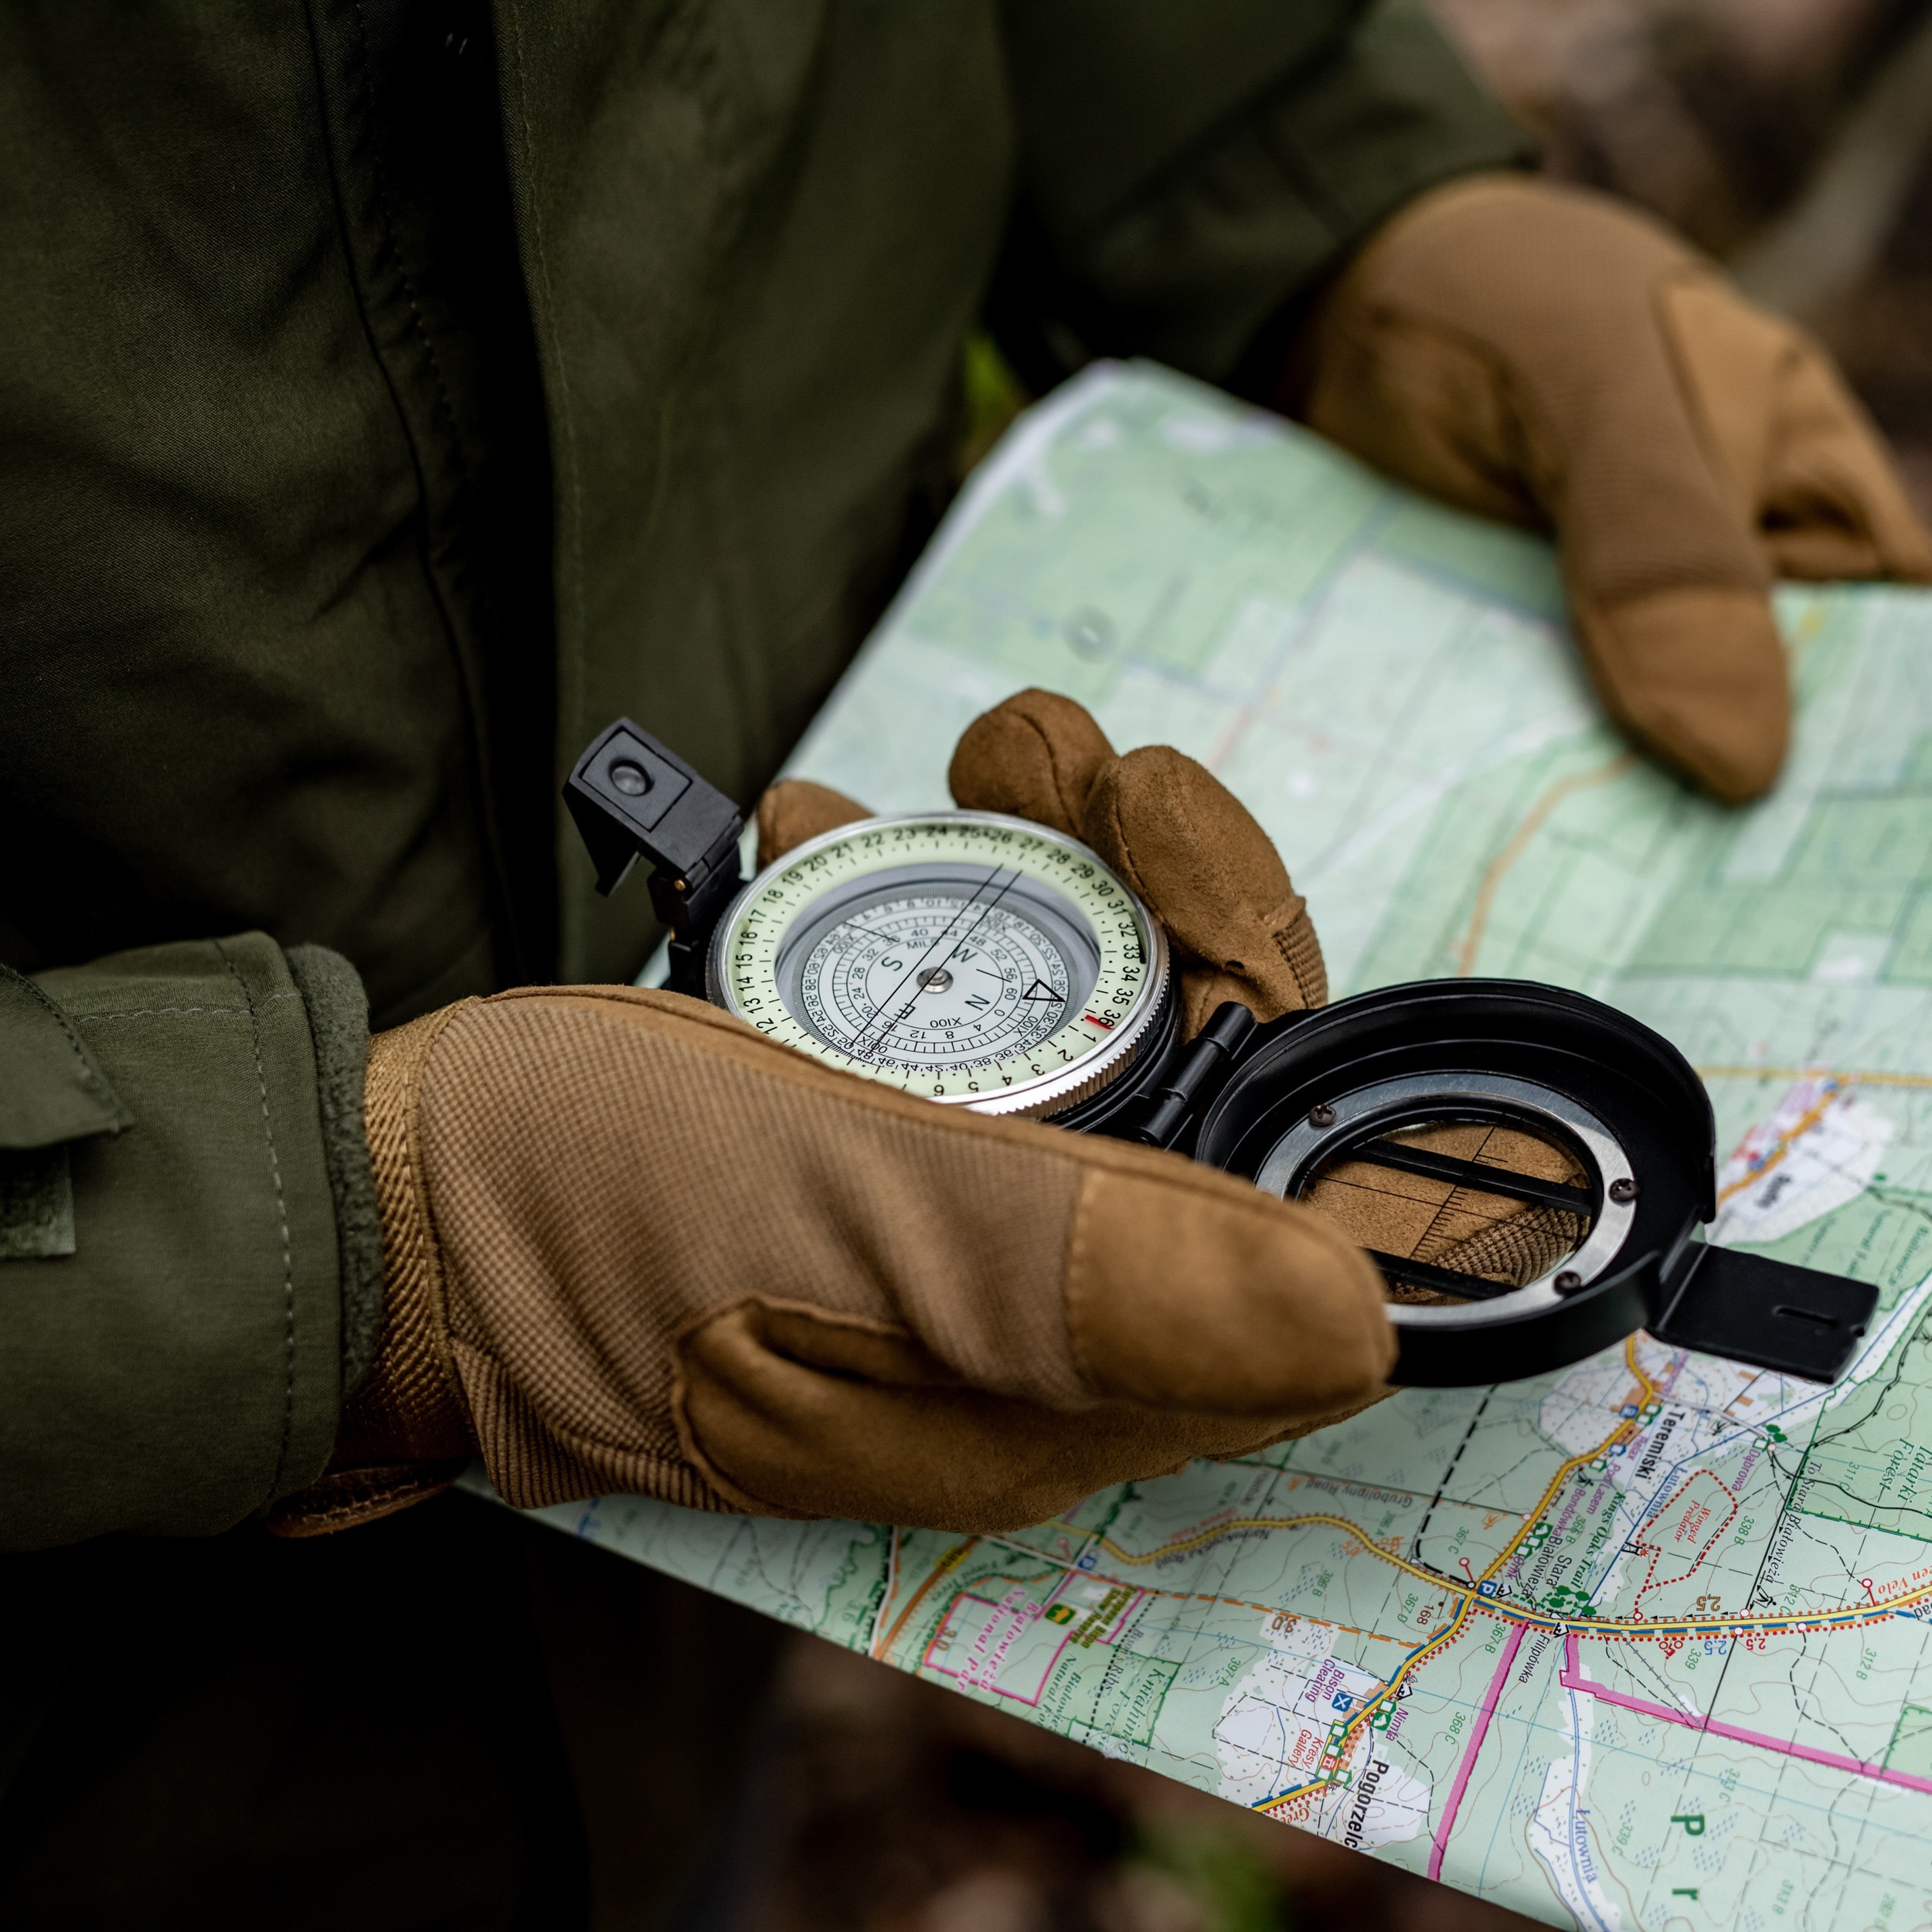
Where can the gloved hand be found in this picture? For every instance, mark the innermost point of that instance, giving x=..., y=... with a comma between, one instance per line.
x=1543, y=354
x=633, y=1245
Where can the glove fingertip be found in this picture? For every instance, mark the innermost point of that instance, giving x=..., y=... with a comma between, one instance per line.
x=1037, y=756
x=796, y=809
x=1697, y=675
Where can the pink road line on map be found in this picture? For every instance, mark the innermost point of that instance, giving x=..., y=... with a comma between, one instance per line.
x=1013, y=1606
x=1572, y=1678
x=1490, y=1699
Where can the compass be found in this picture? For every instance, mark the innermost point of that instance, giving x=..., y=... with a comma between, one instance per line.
x=1531, y=1170
x=978, y=960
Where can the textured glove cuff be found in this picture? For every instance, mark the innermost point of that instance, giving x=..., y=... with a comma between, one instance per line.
x=409, y=1407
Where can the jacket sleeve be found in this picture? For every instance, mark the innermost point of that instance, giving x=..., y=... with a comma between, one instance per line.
x=1189, y=173
x=188, y=1235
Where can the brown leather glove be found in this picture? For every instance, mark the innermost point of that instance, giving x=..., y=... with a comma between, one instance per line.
x=633, y=1245
x=1544, y=355
x=1206, y=871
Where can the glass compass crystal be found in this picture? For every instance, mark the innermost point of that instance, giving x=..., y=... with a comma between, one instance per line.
x=971, y=958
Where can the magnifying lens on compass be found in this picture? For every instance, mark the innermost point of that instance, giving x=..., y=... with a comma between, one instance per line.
x=1529, y=1168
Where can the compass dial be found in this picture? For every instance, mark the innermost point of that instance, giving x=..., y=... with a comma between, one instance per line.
x=967, y=956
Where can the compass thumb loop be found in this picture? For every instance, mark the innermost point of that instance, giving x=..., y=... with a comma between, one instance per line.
x=1211, y=876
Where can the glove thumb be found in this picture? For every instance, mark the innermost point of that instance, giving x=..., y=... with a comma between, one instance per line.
x=1211, y=876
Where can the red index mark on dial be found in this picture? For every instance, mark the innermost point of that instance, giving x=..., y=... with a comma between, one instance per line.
x=1098, y=1022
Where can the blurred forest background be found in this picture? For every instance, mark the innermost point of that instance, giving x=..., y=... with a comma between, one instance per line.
x=1793, y=140
x=1790, y=138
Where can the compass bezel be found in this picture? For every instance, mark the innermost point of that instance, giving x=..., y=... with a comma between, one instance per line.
x=1039, y=1097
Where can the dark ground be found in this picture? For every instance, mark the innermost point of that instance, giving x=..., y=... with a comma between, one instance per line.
x=1793, y=139
x=895, y=1806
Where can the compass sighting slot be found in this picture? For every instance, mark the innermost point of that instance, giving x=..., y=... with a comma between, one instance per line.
x=1774, y=1314
x=633, y=798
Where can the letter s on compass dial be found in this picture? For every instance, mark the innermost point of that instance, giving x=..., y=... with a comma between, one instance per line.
x=966, y=956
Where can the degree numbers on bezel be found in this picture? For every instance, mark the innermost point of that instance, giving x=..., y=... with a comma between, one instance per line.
x=992, y=959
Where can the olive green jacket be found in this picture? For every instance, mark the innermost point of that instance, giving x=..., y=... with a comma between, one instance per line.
x=390, y=395
x=392, y=392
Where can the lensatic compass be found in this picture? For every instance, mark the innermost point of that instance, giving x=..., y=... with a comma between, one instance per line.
x=980, y=961
x=987, y=962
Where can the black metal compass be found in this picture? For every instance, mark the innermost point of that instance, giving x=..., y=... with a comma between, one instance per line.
x=996, y=965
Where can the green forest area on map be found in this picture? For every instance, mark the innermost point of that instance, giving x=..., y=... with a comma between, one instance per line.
x=1641, y=1643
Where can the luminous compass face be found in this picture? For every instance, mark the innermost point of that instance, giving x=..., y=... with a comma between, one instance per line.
x=965, y=956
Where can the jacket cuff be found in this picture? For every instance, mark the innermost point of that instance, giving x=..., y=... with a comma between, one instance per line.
x=338, y=1026
x=181, y=1369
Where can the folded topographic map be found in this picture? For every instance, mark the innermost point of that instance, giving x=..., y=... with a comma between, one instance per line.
x=1647, y=1642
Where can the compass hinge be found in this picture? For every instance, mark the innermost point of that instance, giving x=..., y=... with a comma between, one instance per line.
x=1197, y=1078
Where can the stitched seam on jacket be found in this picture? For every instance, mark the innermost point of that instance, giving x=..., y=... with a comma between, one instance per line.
x=574, y=503
x=90, y=1078
x=157, y=1012
x=363, y=282
x=388, y=225
x=281, y=1208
